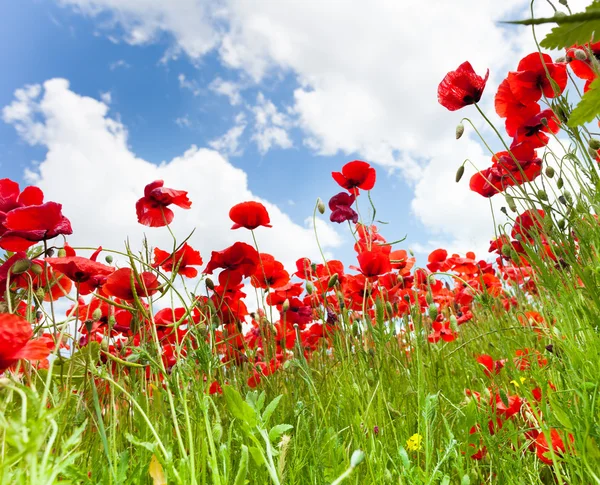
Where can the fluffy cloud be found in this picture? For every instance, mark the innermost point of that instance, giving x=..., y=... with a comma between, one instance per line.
x=90, y=169
x=229, y=142
x=270, y=126
x=367, y=76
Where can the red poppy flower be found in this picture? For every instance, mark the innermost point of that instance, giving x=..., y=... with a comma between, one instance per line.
x=509, y=107
x=249, y=215
x=119, y=284
x=533, y=130
x=374, y=263
x=28, y=225
x=341, y=208
x=556, y=442
x=16, y=343
x=490, y=365
x=88, y=273
x=583, y=68
x=11, y=196
x=183, y=258
x=531, y=81
x=152, y=209
x=237, y=261
x=270, y=273
x=461, y=88
x=356, y=175
x=437, y=259
x=441, y=330
x=527, y=223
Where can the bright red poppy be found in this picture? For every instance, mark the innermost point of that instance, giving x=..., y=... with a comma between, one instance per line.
x=341, y=208
x=528, y=223
x=249, y=215
x=16, y=343
x=182, y=260
x=509, y=107
x=556, y=442
x=461, y=88
x=533, y=131
x=152, y=209
x=269, y=273
x=237, y=261
x=356, y=175
x=441, y=330
x=119, y=284
x=87, y=273
x=11, y=196
x=533, y=75
x=374, y=263
x=583, y=68
x=28, y=225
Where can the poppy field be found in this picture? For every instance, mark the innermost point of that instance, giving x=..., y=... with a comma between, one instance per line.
x=171, y=366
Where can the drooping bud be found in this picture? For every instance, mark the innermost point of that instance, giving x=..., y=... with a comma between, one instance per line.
x=20, y=266
x=96, y=314
x=429, y=298
x=549, y=172
x=563, y=2
x=542, y=195
x=560, y=182
x=453, y=323
x=432, y=311
x=511, y=202
x=49, y=253
x=568, y=198
x=560, y=60
x=460, y=129
x=309, y=288
x=320, y=205
x=62, y=253
x=332, y=281
x=580, y=55
x=459, y=173
x=561, y=224
x=108, y=258
x=594, y=143
x=209, y=284
x=286, y=305
x=36, y=269
x=389, y=309
x=89, y=325
x=503, y=210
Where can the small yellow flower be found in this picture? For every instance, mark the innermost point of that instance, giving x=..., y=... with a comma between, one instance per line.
x=414, y=442
x=516, y=384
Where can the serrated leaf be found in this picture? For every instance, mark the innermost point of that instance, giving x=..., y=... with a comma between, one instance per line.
x=271, y=408
x=240, y=477
x=277, y=431
x=156, y=472
x=144, y=444
x=589, y=106
x=238, y=407
x=581, y=29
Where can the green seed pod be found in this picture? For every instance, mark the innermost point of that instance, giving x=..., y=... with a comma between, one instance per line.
x=209, y=284
x=460, y=129
x=594, y=143
x=108, y=258
x=332, y=281
x=389, y=309
x=40, y=293
x=459, y=173
x=36, y=269
x=542, y=195
x=320, y=206
x=62, y=253
x=20, y=266
x=506, y=249
x=560, y=182
x=286, y=305
x=549, y=172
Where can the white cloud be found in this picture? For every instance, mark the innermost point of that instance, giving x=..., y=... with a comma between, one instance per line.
x=183, y=121
x=117, y=64
x=228, y=144
x=185, y=83
x=368, y=74
x=270, y=126
x=90, y=169
x=106, y=97
x=227, y=88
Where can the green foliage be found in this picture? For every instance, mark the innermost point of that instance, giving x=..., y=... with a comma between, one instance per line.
x=589, y=106
x=575, y=29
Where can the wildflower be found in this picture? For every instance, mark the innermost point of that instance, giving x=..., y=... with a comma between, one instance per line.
x=510, y=107
x=182, y=260
x=238, y=260
x=152, y=209
x=119, y=284
x=249, y=215
x=556, y=442
x=356, y=175
x=414, y=442
x=461, y=88
x=16, y=343
x=341, y=208
x=531, y=81
x=88, y=273
x=374, y=263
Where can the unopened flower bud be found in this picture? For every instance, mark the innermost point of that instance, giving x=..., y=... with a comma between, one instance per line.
x=568, y=198
x=96, y=314
x=320, y=206
x=561, y=224
x=432, y=311
x=560, y=182
x=542, y=195
x=511, y=203
x=593, y=153
x=332, y=281
x=503, y=210
x=108, y=258
x=209, y=284
x=62, y=253
x=389, y=308
x=40, y=293
x=286, y=305
x=50, y=253
x=563, y=2
x=580, y=55
x=357, y=457
x=20, y=266
x=544, y=121
x=89, y=325
x=560, y=60
x=459, y=173
x=506, y=249
x=549, y=172
x=460, y=129
x=309, y=288
x=594, y=143
x=429, y=298
x=36, y=269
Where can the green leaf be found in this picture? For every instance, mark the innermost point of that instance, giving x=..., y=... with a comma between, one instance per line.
x=581, y=29
x=238, y=407
x=589, y=106
x=151, y=447
x=270, y=408
x=240, y=477
x=257, y=456
x=277, y=431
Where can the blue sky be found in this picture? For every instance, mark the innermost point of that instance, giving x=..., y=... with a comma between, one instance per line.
x=332, y=107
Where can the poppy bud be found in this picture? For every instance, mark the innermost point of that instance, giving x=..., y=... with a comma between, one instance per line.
x=432, y=311
x=560, y=60
x=62, y=253
x=549, y=172
x=209, y=284
x=40, y=293
x=563, y=2
x=594, y=143
x=389, y=308
x=593, y=153
x=511, y=203
x=108, y=259
x=89, y=324
x=506, y=249
x=96, y=314
x=286, y=305
x=333, y=280
x=503, y=210
x=36, y=269
x=460, y=129
x=542, y=195
x=560, y=183
x=320, y=205
x=561, y=224
x=309, y=288
x=406, y=298
x=544, y=121
x=567, y=198
x=357, y=457
x=20, y=266
x=453, y=323
x=580, y=55
x=459, y=173
x=429, y=298
x=50, y=253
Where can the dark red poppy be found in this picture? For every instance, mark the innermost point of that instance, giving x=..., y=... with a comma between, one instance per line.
x=531, y=81
x=16, y=343
x=374, y=263
x=249, y=215
x=356, y=175
x=509, y=107
x=533, y=131
x=182, y=260
x=461, y=88
x=152, y=209
x=237, y=261
x=87, y=273
x=341, y=208
x=119, y=284
x=26, y=226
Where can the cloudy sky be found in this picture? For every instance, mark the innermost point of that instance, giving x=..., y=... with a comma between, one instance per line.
x=235, y=100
